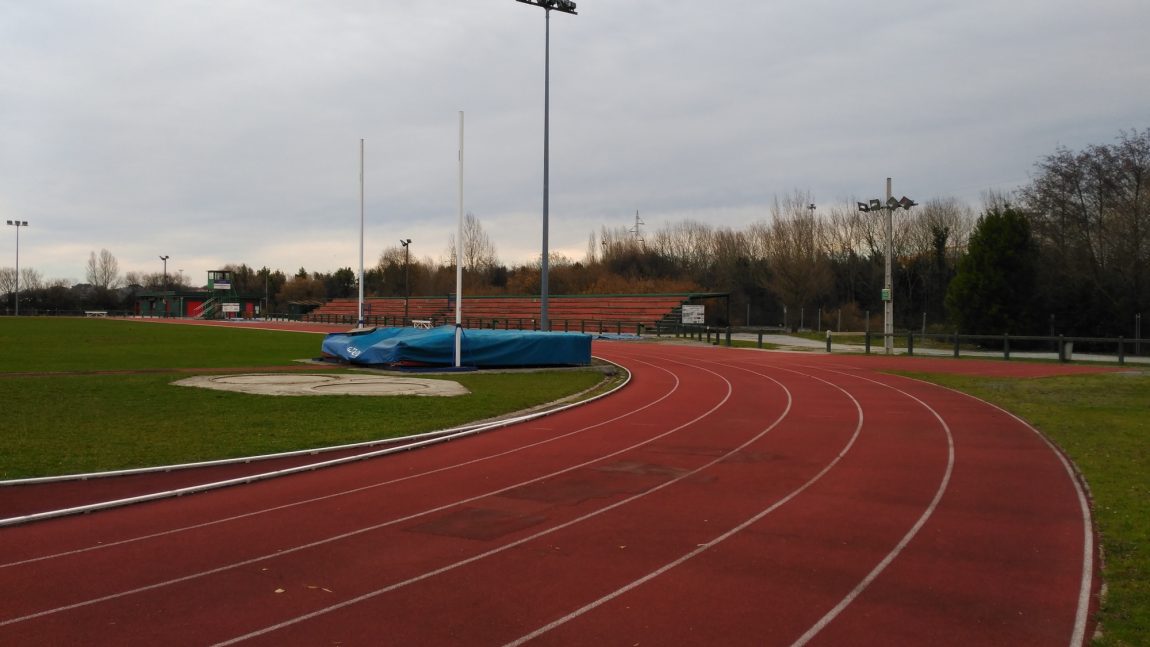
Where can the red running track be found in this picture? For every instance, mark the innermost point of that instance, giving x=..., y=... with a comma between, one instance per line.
x=724, y=496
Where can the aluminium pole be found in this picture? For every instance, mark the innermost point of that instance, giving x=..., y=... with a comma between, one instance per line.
x=543, y=324
x=359, y=316
x=459, y=259
x=888, y=306
x=17, y=267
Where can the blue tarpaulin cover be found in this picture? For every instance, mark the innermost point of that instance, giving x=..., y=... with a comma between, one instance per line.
x=480, y=348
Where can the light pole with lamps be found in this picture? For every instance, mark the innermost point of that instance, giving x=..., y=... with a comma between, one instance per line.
x=406, y=242
x=888, y=285
x=164, y=258
x=18, y=224
x=564, y=6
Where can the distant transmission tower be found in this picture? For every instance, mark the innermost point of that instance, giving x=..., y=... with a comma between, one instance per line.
x=635, y=230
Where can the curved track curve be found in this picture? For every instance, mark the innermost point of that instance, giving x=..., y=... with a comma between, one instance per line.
x=723, y=496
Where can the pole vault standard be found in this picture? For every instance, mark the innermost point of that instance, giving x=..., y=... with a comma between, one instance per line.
x=359, y=315
x=459, y=259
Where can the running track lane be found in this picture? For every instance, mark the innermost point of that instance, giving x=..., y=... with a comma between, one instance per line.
x=759, y=498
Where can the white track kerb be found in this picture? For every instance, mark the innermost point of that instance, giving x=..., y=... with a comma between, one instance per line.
x=387, y=446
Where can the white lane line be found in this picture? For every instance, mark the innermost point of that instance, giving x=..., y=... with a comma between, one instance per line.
x=721, y=538
x=327, y=540
x=524, y=540
x=1086, y=579
x=893, y=554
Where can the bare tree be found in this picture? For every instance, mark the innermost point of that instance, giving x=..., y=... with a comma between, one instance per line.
x=800, y=272
x=478, y=251
x=104, y=270
x=592, y=255
x=947, y=219
x=687, y=244
x=7, y=280
x=31, y=279
x=1090, y=211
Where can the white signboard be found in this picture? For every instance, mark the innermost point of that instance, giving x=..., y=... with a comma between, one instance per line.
x=222, y=285
x=693, y=314
x=231, y=307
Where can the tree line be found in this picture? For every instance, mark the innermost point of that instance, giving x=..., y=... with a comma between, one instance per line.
x=1065, y=254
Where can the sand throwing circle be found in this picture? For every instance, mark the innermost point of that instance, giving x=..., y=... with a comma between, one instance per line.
x=315, y=384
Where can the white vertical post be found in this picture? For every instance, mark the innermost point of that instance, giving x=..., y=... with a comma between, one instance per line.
x=459, y=259
x=359, y=315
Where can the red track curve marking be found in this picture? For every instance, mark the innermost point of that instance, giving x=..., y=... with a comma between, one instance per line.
x=1081, y=617
x=1086, y=577
x=893, y=554
x=392, y=522
x=533, y=537
x=721, y=538
x=852, y=619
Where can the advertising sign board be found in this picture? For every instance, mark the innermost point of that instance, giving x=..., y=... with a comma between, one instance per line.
x=693, y=314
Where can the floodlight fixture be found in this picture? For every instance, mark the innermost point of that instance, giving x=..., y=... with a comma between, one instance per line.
x=564, y=6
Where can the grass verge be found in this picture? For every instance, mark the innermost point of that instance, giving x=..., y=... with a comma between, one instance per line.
x=65, y=414
x=1101, y=422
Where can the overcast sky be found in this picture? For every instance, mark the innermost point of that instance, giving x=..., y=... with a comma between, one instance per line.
x=228, y=131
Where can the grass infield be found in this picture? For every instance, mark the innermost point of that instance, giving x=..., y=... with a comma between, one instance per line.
x=85, y=395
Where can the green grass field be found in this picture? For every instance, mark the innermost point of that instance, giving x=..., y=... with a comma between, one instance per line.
x=87, y=395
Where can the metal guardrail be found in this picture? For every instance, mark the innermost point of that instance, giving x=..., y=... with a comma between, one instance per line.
x=1061, y=345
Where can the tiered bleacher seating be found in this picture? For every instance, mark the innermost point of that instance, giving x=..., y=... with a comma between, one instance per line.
x=382, y=311
x=589, y=313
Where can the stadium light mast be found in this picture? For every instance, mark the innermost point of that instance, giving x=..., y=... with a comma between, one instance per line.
x=18, y=224
x=563, y=6
x=164, y=258
x=406, y=284
x=888, y=285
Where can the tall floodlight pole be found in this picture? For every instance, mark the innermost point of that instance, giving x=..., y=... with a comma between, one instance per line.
x=164, y=258
x=359, y=315
x=564, y=6
x=18, y=224
x=406, y=284
x=888, y=281
x=890, y=205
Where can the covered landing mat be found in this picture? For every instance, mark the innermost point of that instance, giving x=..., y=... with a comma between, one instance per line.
x=479, y=348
